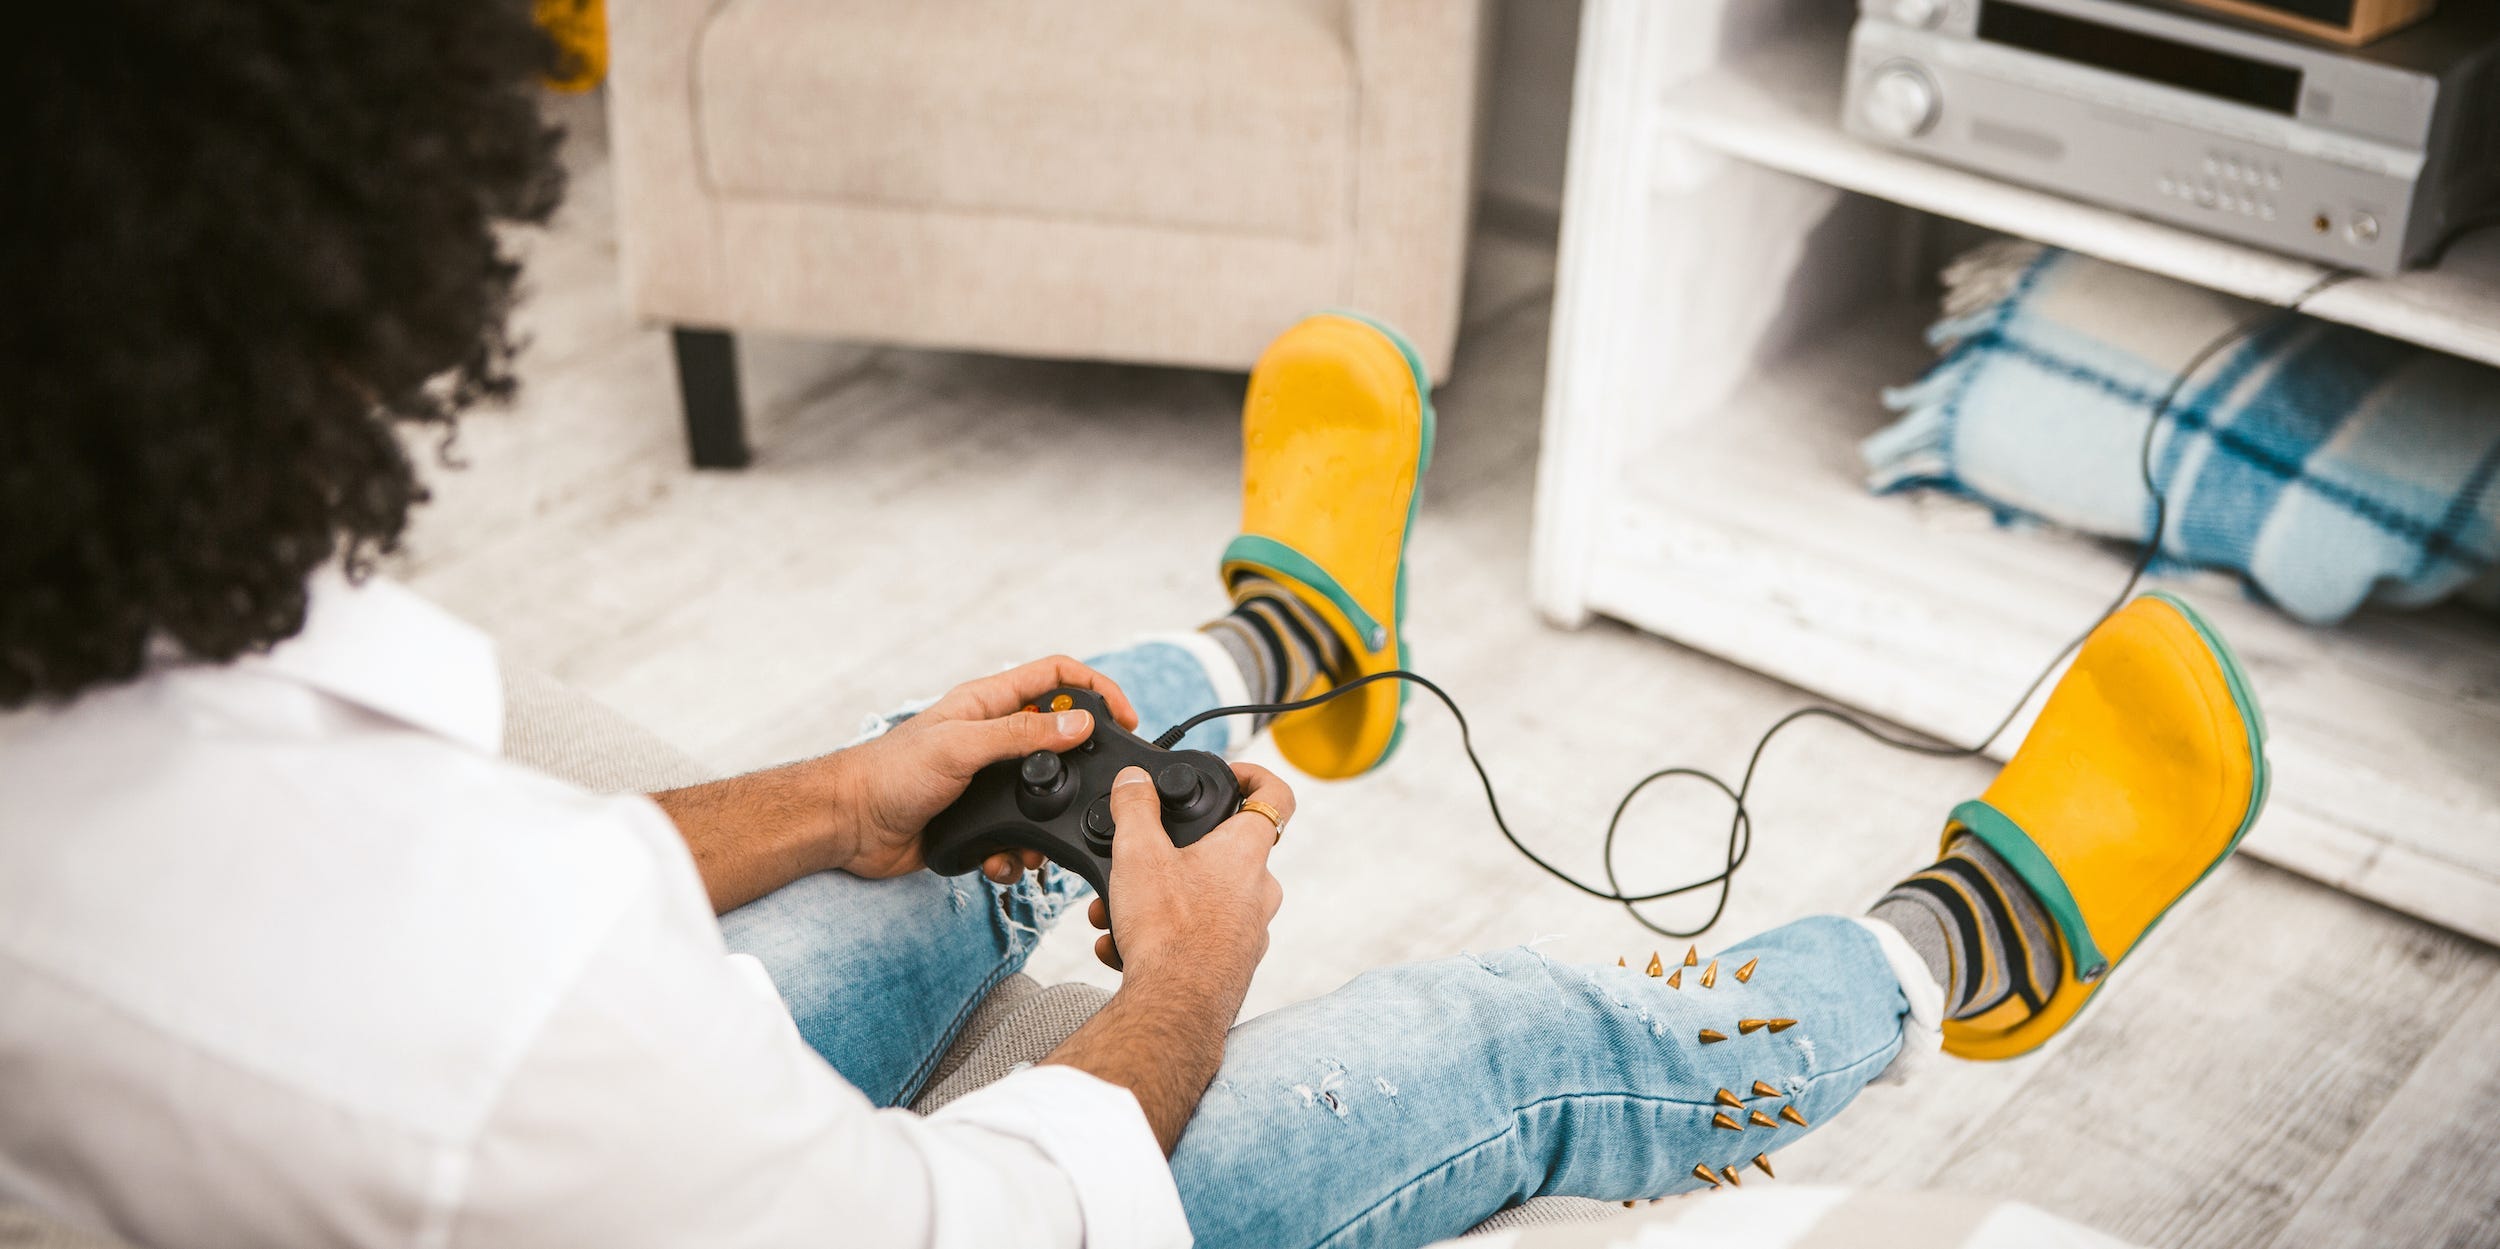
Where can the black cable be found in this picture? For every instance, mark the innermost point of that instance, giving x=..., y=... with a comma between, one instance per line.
x=1466, y=742
x=1740, y=820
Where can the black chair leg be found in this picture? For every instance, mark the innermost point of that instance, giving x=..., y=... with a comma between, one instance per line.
x=707, y=380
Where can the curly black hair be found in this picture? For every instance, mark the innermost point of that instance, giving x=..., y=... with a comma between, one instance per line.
x=243, y=241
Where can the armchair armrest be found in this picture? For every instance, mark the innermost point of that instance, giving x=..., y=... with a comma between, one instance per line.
x=1421, y=65
x=665, y=225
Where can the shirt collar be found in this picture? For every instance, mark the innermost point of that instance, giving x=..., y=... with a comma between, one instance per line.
x=378, y=645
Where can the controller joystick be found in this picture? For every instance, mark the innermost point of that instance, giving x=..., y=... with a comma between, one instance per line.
x=1042, y=773
x=1184, y=793
x=1060, y=802
x=1044, y=785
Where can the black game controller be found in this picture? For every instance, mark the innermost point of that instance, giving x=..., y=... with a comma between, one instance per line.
x=1060, y=803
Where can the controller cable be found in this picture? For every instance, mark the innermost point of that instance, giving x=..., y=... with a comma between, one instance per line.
x=1740, y=822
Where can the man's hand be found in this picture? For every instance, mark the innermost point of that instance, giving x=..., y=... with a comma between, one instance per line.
x=1191, y=923
x=1208, y=904
x=861, y=810
x=892, y=786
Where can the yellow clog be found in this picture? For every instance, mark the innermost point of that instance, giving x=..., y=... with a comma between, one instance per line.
x=1336, y=433
x=2142, y=773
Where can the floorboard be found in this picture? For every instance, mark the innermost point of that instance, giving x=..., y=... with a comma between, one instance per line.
x=2427, y=1169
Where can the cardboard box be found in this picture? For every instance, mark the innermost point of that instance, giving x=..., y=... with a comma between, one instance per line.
x=2348, y=22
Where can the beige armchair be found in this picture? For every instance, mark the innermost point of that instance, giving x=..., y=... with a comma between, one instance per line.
x=1160, y=181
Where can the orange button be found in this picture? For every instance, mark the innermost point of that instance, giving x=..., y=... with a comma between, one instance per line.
x=1062, y=703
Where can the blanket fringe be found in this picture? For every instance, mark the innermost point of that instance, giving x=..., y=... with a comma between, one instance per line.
x=1911, y=453
x=1985, y=276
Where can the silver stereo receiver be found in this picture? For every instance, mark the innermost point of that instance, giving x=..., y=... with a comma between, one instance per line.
x=2361, y=158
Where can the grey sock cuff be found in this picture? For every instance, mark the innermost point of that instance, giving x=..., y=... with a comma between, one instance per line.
x=1248, y=657
x=1921, y=924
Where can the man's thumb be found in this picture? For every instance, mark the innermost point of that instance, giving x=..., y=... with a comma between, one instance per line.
x=1135, y=809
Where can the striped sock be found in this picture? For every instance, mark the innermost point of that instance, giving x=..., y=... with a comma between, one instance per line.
x=1282, y=646
x=1980, y=929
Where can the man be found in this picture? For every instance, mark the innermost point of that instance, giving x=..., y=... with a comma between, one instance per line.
x=288, y=954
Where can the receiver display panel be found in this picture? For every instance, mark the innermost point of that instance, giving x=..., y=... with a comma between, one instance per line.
x=2263, y=84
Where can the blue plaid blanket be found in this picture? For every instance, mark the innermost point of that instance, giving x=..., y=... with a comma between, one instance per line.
x=2330, y=466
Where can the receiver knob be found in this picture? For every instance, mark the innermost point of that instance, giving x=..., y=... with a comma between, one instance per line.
x=1901, y=101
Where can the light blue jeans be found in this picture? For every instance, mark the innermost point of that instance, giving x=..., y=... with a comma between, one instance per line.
x=1408, y=1105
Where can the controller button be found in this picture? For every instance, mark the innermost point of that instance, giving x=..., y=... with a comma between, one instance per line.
x=1042, y=772
x=1178, y=784
x=1062, y=703
x=1098, y=822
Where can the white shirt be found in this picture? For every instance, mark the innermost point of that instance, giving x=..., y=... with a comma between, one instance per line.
x=290, y=956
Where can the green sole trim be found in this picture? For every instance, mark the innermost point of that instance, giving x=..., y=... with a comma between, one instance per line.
x=1416, y=373
x=2244, y=697
x=2001, y=834
x=1324, y=583
x=1406, y=660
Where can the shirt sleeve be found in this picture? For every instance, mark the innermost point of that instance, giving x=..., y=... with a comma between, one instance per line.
x=665, y=1102
x=1095, y=1133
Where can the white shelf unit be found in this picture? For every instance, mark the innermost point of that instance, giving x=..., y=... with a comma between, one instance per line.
x=1739, y=279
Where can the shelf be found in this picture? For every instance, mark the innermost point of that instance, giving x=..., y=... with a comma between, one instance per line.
x=1779, y=108
x=1748, y=532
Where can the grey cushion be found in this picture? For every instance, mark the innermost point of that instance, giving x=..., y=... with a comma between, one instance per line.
x=1548, y=1212
x=563, y=732
x=1019, y=1025
x=22, y=1228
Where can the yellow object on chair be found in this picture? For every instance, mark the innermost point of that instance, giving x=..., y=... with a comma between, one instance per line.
x=1336, y=433
x=579, y=29
x=2142, y=773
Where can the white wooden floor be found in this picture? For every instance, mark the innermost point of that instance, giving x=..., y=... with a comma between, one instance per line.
x=2281, y=1065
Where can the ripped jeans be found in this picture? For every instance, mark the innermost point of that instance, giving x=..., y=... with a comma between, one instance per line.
x=1406, y=1106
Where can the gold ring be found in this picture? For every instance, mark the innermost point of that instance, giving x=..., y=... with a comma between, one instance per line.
x=1273, y=815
